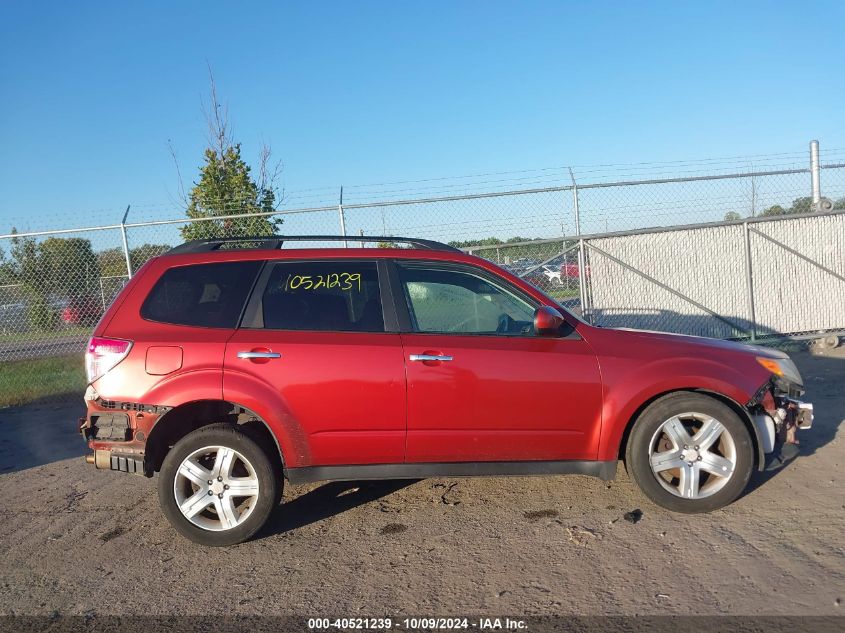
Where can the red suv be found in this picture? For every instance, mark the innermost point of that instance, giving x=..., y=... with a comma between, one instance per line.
x=228, y=366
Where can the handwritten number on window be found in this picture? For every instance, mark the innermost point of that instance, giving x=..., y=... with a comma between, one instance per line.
x=343, y=281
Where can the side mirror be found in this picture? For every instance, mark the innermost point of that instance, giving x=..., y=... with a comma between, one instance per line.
x=547, y=321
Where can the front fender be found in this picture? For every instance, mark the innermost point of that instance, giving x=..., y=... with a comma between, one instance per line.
x=628, y=390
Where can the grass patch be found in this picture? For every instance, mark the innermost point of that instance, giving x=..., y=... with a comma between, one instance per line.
x=562, y=293
x=23, y=381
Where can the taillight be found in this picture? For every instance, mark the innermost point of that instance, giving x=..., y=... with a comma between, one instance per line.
x=103, y=354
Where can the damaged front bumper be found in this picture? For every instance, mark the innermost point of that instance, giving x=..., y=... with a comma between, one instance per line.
x=777, y=414
x=772, y=426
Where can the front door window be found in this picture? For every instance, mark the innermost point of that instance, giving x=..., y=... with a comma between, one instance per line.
x=457, y=302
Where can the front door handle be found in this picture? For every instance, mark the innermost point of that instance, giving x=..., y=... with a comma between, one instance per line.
x=251, y=355
x=429, y=357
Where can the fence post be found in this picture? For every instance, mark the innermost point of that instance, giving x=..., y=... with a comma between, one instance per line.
x=749, y=282
x=126, y=243
x=342, y=218
x=582, y=282
x=102, y=294
x=815, y=175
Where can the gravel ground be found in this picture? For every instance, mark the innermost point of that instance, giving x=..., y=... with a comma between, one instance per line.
x=78, y=541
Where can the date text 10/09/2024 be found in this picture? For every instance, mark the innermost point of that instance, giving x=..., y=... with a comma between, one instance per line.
x=423, y=623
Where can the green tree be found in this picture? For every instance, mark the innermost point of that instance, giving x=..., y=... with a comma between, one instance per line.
x=774, y=210
x=801, y=205
x=839, y=204
x=55, y=269
x=66, y=266
x=732, y=215
x=22, y=270
x=24, y=264
x=7, y=276
x=41, y=316
x=112, y=262
x=226, y=186
x=141, y=254
x=488, y=241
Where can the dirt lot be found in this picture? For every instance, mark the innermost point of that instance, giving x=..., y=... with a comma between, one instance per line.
x=77, y=541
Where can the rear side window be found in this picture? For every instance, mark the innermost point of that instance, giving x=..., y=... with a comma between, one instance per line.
x=327, y=296
x=203, y=295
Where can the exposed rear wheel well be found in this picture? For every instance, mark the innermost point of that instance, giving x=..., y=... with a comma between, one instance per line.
x=737, y=408
x=184, y=419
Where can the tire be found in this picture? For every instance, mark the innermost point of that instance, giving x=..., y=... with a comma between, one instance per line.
x=684, y=479
x=233, y=462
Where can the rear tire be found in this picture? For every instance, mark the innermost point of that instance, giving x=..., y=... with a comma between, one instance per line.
x=217, y=486
x=690, y=452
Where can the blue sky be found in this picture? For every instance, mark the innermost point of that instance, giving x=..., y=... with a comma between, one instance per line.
x=370, y=92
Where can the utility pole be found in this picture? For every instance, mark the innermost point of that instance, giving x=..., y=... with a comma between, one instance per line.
x=126, y=243
x=342, y=218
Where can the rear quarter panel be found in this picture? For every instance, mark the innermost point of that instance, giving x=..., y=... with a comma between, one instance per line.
x=201, y=373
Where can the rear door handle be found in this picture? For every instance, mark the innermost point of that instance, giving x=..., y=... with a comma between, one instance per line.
x=250, y=355
x=425, y=357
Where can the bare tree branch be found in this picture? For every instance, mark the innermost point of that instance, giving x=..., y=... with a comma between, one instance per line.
x=217, y=119
x=182, y=195
x=269, y=172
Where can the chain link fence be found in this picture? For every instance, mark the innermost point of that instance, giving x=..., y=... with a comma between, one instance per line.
x=729, y=254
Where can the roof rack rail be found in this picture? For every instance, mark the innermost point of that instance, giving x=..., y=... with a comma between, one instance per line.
x=276, y=241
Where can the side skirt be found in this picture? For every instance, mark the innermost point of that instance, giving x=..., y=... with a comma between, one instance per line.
x=307, y=474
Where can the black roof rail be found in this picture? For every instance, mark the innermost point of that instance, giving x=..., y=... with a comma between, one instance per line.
x=276, y=241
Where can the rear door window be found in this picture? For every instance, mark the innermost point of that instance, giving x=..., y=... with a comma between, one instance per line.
x=202, y=295
x=323, y=296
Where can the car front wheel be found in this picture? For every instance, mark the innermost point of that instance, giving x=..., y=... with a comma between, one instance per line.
x=217, y=486
x=689, y=452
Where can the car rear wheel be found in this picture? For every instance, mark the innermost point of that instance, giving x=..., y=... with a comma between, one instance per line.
x=689, y=452
x=217, y=486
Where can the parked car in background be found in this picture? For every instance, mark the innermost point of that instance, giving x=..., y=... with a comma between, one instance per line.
x=81, y=310
x=569, y=270
x=13, y=317
x=228, y=370
x=552, y=275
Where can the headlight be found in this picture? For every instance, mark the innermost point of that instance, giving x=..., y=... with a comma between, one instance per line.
x=783, y=368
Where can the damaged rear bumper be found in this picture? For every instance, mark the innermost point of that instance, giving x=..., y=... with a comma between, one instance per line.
x=110, y=454
x=117, y=433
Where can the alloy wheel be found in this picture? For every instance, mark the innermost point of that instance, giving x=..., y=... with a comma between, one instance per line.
x=692, y=455
x=216, y=488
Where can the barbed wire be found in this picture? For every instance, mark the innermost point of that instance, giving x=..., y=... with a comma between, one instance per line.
x=491, y=181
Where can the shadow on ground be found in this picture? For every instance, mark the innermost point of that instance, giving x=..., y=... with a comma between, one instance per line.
x=328, y=500
x=41, y=432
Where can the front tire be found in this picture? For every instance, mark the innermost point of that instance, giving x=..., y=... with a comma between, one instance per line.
x=217, y=486
x=691, y=453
